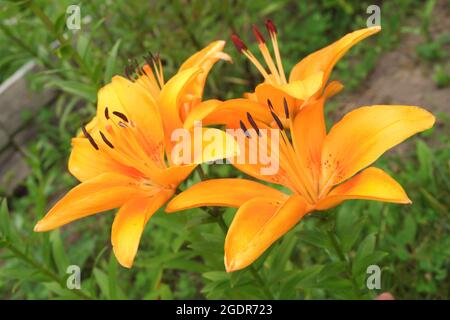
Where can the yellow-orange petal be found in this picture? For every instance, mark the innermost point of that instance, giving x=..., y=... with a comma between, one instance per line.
x=201, y=111
x=104, y=192
x=308, y=133
x=325, y=58
x=222, y=192
x=364, y=134
x=140, y=107
x=85, y=162
x=332, y=89
x=133, y=100
x=293, y=92
x=371, y=184
x=205, y=59
x=171, y=98
x=230, y=112
x=257, y=224
x=129, y=224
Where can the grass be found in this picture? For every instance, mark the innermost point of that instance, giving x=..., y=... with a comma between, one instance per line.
x=181, y=255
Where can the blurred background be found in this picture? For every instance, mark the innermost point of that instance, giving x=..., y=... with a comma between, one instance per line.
x=49, y=77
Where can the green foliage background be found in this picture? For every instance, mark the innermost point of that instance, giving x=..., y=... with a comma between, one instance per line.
x=181, y=254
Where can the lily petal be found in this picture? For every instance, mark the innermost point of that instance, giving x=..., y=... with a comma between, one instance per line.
x=370, y=184
x=308, y=133
x=201, y=111
x=230, y=112
x=222, y=192
x=205, y=59
x=325, y=59
x=83, y=167
x=364, y=134
x=104, y=192
x=171, y=98
x=292, y=92
x=136, y=103
x=257, y=224
x=129, y=224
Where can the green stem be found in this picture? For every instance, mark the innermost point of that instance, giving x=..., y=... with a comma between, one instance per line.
x=252, y=268
x=44, y=270
x=63, y=41
x=344, y=259
x=214, y=212
x=23, y=45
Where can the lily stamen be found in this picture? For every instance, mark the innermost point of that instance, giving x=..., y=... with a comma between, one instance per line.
x=89, y=137
x=106, y=113
x=107, y=142
x=253, y=123
x=286, y=108
x=121, y=116
x=266, y=54
x=242, y=48
x=273, y=37
x=244, y=128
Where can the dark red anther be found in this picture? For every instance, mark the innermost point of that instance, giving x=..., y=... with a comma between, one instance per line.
x=240, y=45
x=253, y=123
x=286, y=108
x=258, y=35
x=244, y=128
x=89, y=137
x=271, y=26
x=106, y=141
x=120, y=115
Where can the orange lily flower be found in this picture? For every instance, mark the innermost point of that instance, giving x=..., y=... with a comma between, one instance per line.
x=320, y=170
x=119, y=159
x=308, y=81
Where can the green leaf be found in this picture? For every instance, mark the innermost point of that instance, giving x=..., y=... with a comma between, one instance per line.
x=80, y=89
x=216, y=275
x=332, y=270
x=58, y=252
x=111, y=62
x=315, y=238
x=102, y=281
x=112, y=277
x=408, y=232
x=366, y=247
x=5, y=222
x=282, y=254
x=361, y=265
x=348, y=227
x=425, y=157
x=306, y=278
